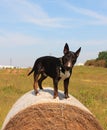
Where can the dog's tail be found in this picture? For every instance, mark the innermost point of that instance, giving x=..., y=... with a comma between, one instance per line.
x=30, y=72
x=33, y=68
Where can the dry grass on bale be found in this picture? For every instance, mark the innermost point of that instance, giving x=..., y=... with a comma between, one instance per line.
x=53, y=116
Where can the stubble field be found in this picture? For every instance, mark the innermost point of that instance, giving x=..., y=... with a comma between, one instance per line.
x=87, y=84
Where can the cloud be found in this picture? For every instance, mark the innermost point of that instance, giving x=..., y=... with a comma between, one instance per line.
x=11, y=38
x=95, y=17
x=32, y=13
x=29, y=12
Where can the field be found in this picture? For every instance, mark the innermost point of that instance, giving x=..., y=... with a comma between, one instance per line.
x=88, y=85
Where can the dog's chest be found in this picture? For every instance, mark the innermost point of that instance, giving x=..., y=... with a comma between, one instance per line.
x=64, y=75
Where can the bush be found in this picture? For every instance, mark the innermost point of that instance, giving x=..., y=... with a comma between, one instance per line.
x=90, y=62
x=96, y=63
x=101, y=63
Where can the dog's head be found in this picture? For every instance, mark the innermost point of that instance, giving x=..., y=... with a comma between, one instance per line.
x=69, y=58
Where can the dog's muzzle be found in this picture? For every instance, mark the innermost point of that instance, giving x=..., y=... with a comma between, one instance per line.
x=68, y=65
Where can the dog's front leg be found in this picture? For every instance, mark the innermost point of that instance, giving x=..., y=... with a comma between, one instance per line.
x=66, y=83
x=55, y=83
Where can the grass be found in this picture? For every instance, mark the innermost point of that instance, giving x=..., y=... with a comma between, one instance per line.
x=87, y=84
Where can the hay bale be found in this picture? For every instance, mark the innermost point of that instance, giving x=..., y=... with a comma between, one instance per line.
x=42, y=112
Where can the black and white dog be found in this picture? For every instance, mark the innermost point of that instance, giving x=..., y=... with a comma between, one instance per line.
x=56, y=68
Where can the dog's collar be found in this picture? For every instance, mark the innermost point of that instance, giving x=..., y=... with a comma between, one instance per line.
x=61, y=62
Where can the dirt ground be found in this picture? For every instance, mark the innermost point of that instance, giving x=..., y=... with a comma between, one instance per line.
x=53, y=116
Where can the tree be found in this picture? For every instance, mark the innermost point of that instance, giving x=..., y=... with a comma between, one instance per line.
x=102, y=55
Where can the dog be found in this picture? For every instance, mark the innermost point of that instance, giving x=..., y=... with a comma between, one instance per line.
x=56, y=68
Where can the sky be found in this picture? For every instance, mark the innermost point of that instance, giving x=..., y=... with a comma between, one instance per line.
x=30, y=29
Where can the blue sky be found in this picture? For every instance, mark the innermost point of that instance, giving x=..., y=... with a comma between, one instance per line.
x=33, y=28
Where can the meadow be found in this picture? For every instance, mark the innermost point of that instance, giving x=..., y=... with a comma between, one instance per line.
x=87, y=84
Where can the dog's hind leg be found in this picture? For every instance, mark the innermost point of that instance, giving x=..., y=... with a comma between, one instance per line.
x=43, y=76
x=35, y=85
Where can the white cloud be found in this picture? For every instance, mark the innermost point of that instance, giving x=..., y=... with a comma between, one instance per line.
x=9, y=38
x=29, y=12
x=95, y=17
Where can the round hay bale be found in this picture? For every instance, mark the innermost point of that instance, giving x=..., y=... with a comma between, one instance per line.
x=42, y=112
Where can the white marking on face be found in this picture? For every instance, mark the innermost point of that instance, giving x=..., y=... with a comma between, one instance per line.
x=64, y=75
x=69, y=64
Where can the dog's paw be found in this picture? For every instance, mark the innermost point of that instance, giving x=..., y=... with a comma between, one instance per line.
x=38, y=94
x=56, y=99
x=66, y=96
x=41, y=90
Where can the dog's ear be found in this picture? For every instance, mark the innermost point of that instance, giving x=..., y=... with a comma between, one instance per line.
x=66, y=49
x=78, y=52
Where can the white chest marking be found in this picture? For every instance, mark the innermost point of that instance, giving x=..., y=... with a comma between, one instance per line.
x=64, y=75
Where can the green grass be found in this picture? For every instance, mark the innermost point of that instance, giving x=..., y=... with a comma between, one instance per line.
x=87, y=84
